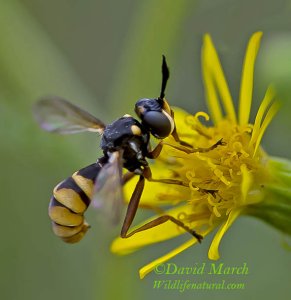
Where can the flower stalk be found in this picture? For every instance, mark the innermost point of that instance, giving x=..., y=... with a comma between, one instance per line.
x=276, y=207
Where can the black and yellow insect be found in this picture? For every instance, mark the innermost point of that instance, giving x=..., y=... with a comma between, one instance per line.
x=125, y=144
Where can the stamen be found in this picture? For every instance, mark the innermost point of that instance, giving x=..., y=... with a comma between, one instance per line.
x=216, y=212
x=193, y=186
x=219, y=174
x=201, y=114
x=195, y=123
x=214, y=207
x=239, y=148
x=190, y=174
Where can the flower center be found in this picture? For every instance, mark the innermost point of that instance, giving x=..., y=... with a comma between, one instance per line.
x=225, y=178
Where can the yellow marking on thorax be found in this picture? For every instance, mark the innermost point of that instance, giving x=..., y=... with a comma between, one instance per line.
x=135, y=130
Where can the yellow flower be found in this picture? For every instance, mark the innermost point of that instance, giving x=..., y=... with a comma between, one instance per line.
x=235, y=178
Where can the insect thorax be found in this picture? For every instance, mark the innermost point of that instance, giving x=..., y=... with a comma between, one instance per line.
x=128, y=135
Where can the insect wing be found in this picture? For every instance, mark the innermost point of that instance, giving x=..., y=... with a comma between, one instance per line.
x=55, y=114
x=108, y=192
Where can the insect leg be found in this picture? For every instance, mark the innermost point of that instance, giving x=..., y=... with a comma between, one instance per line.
x=156, y=151
x=126, y=177
x=132, y=207
x=147, y=173
x=194, y=150
x=131, y=211
x=162, y=219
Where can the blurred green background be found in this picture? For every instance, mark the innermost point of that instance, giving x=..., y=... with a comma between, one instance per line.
x=103, y=56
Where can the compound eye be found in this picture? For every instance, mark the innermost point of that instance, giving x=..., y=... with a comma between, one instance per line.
x=160, y=124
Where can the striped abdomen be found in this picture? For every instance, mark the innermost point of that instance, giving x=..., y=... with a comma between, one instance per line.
x=70, y=200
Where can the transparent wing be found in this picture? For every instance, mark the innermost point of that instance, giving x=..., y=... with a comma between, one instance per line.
x=108, y=192
x=55, y=114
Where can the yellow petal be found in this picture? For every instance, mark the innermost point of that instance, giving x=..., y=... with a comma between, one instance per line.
x=214, y=79
x=268, y=98
x=151, y=266
x=246, y=88
x=211, y=96
x=156, y=234
x=269, y=116
x=213, y=252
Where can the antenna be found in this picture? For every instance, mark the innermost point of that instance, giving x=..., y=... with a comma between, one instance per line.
x=165, y=77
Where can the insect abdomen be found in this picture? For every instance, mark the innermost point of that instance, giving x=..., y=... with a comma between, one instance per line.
x=70, y=200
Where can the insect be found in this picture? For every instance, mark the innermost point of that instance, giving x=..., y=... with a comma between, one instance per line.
x=125, y=144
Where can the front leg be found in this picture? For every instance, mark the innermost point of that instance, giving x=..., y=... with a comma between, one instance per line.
x=156, y=151
x=195, y=150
